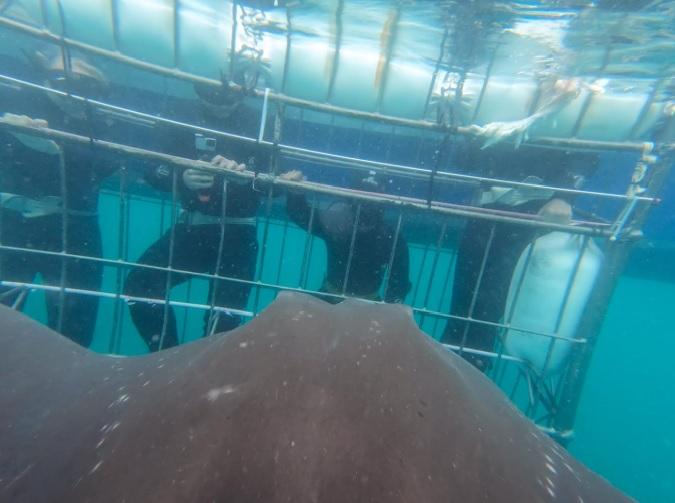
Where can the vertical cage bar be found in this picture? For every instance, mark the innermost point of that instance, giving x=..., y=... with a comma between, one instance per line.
x=121, y=234
x=213, y=315
x=656, y=88
x=434, y=77
x=273, y=169
x=423, y=264
x=444, y=291
x=479, y=280
x=486, y=80
x=304, y=269
x=125, y=257
x=172, y=238
x=23, y=294
x=434, y=264
x=188, y=300
x=387, y=278
x=282, y=251
x=540, y=377
x=616, y=254
x=114, y=20
x=176, y=33
x=351, y=248
x=64, y=237
x=566, y=298
x=509, y=316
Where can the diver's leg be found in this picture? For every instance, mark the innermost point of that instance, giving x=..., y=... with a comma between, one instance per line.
x=467, y=270
x=238, y=260
x=78, y=320
x=151, y=284
x=507, y=244
x=16, y=266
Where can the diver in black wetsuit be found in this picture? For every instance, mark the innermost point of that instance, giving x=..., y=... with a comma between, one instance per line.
x=33, y=205
x=373, y=245
x=507, y=241
x=206, y=201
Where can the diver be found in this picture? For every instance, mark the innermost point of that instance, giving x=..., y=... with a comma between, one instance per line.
x=216, y=230
x=49, y=194
x=373, y=245
x=481, y=283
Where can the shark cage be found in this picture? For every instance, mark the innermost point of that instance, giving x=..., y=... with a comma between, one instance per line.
x=449, y=117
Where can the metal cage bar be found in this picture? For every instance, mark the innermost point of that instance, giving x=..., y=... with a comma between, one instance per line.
x=352, y=242
x=616, y=254
x=207, y=276
x=122, y=241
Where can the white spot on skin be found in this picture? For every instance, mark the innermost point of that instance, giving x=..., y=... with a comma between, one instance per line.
x=551, y=492
x=146, y=383
x=120, y=400
x=551, y=468
x=213, y=394
x=96, y=467
x=243, y=344
x=18, y=477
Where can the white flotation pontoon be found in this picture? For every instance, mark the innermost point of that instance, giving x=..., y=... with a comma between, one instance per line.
x=324, y=56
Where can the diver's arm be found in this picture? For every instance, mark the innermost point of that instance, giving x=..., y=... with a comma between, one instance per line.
x=399, y=276
x=33, y=142
x=160, y=177
x=298, y=209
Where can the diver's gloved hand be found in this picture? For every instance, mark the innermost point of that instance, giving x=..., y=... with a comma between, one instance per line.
x=24, y=120
x=223, y=162
x=32, y=142
x=295, y=175
x=196, y=179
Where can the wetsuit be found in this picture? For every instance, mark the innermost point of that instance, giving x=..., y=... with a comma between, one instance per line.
x=371, y=255
x=197, y=238
x=554, y=168
x=32, y=216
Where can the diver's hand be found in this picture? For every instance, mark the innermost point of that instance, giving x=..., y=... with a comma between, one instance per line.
x=33, y=142
x=196, y=179
x=295, y=175
x=24, y=120
x=225, y=163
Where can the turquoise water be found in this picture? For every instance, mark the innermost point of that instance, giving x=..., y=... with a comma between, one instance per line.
x=624, y=428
